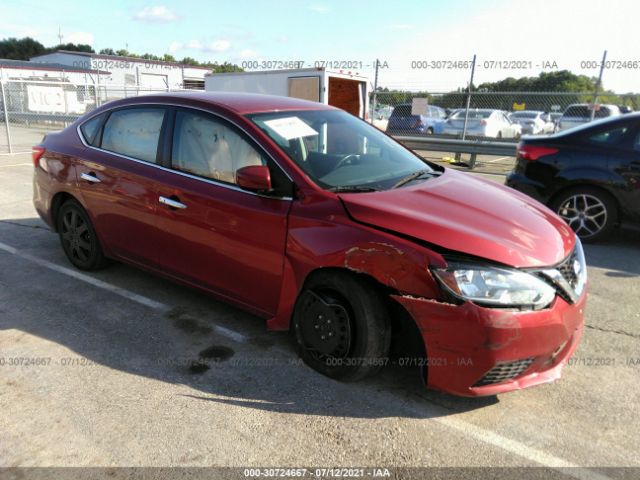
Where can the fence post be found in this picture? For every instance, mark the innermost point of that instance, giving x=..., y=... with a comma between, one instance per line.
x=598, y=84
x=6, y=116
x=466, y=112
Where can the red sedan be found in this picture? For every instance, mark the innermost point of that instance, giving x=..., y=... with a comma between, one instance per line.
x=317, y=221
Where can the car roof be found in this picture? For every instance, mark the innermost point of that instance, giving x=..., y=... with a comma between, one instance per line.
x=241, y=103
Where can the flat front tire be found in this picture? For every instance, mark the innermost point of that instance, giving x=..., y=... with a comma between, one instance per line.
x=342, y=326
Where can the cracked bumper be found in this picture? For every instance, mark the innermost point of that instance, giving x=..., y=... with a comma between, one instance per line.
x=465, y=342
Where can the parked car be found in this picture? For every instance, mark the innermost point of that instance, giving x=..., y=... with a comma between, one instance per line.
x=589, y=175
x=532, y=122
x=481, y=123
x=580, y=113
x=315, y=220
x=381, y=117
x=403, y=122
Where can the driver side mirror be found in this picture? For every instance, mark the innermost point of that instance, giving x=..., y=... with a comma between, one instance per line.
x=255, y=178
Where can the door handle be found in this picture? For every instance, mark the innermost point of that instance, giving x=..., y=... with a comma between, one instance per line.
x=90, y=177
x=170, y=202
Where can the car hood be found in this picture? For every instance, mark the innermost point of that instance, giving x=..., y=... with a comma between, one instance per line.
x=467, y=214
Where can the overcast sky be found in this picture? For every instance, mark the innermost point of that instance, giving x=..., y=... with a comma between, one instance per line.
x=567, y=32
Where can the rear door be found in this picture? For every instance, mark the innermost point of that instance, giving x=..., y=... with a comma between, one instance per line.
x=116, y=180
x=625, y=162
x=214, y=234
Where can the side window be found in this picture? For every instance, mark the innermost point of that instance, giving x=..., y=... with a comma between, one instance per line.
x=91, y=129
x=134, y=132
x=609, y=137
x=204, y=146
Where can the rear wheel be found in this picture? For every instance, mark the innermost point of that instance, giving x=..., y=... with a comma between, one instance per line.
x=429, y=131
x=342, y=326
x=590, y=212
x=78, y=237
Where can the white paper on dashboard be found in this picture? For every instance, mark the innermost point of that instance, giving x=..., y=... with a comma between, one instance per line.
x=290, y=127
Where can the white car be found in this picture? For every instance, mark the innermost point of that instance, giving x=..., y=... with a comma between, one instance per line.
x=533, y=122
x=481, y=122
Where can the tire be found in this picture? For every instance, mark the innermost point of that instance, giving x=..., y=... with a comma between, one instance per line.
x=342, y=326
x=429, y=131
x=591, y=213
x=78, y=237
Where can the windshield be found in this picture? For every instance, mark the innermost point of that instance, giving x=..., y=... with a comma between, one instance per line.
x=339, y=151
x=473, y=114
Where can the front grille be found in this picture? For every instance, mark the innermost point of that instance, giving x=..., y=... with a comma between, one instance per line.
x=567, y=271
x=504, y=371
x=569, y=276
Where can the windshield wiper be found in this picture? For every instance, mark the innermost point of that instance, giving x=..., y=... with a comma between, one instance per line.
x=415, y=176
x=351, y=188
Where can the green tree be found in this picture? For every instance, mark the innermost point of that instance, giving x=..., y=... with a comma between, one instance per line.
x=20, y=49
x=72, y=47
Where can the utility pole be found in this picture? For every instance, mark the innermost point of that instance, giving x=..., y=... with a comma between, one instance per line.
x=598, y=86
x=466, y=112
x=375, y=92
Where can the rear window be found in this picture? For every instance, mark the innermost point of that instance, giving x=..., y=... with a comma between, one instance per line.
x=402, y=111
x=91, y=128
x=524, y=115
x=134, y=132
x=473, y=114
x=583, y=111
x=609, y=137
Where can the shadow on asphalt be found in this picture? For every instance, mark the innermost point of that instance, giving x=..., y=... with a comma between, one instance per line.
x=619, y=253
x=262, y=373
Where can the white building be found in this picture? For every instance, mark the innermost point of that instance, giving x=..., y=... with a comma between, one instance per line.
x=54, y=72
x=131, y=72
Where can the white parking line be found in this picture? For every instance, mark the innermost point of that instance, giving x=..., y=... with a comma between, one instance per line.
x=520, y=449
x=495, y=160
x=141, y=299
x=468, y=429
x=88, y=279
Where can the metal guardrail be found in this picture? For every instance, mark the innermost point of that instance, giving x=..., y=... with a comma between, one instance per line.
x=473, y=147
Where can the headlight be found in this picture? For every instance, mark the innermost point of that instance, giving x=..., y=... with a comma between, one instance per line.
x=496, y=287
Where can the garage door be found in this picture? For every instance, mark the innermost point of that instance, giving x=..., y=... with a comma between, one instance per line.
x=153, y=81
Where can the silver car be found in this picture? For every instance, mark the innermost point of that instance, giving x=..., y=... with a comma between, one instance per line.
x=533, y=122
x=482, y=122
x=580, y=113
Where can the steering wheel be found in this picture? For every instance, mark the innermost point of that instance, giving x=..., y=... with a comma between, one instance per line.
x=347, y=159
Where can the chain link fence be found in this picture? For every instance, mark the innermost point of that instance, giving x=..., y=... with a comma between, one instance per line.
x=503, y=116
x=31, y=109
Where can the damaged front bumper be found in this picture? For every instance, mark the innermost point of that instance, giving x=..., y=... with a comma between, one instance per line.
x=478, y=351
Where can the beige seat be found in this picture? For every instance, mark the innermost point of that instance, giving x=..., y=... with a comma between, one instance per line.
x=212, y=150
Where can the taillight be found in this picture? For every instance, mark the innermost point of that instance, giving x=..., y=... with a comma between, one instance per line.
x=534, y=152
x=418, y=124
x=36, y=154
x=483, y=122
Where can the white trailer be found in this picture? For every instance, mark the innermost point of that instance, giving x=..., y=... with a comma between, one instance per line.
x=344, y=90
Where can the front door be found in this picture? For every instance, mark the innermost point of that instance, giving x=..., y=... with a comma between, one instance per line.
x=216, y=235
